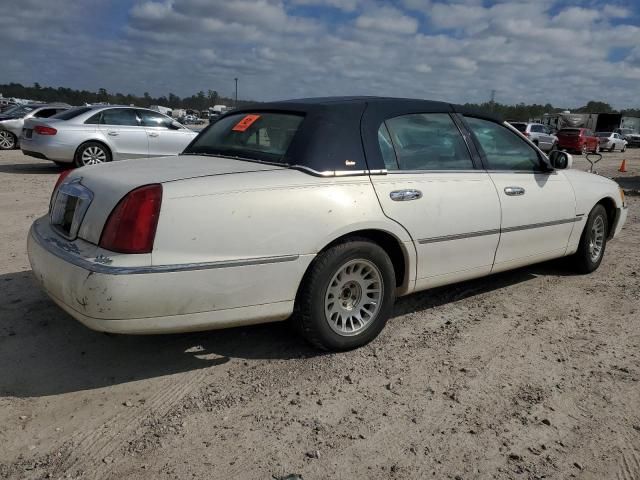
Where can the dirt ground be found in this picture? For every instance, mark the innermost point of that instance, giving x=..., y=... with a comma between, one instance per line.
x=528, y=374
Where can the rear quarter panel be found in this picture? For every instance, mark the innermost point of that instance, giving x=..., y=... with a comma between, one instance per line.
x=263, y=214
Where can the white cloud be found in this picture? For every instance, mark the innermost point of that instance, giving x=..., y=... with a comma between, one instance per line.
x=387, y=20
x=458, y=51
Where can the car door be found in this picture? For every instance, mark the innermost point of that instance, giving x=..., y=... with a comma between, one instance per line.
x=124, y=132
x=165, y=137
x=546, y=139
x=537, y=203
x=432, y=187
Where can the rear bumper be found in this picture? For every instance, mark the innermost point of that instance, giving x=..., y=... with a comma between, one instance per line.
x=144, y=300
x=47, y=149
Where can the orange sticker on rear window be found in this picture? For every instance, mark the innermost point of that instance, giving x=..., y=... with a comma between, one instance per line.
x=245, y=123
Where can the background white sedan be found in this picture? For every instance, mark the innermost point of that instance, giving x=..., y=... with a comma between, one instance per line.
x=611, y=141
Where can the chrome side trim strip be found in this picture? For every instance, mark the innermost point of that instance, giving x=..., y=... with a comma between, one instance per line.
x=65, y=252
x=540, y=225
x=459, y=236
x=496, y=231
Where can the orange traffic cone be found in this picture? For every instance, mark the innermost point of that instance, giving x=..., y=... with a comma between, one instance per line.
x=623, y=166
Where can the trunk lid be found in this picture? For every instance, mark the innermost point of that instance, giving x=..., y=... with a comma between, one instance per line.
x=110, y=182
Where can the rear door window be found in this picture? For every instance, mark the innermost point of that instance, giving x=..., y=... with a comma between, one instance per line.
x=120, y=116
x=428, y=141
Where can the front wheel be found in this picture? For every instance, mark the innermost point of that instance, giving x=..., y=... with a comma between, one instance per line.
x=346, y=296
x=593, y=241
x=624, y=148
x=7, y=140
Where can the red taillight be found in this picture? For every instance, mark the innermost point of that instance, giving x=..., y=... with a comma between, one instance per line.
x=61, y=178
x=131, y=226
x=44, y=130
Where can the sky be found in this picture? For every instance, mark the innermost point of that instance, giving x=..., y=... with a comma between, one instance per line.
x=537, y=51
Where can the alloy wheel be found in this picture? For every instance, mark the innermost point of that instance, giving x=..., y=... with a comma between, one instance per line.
x=7, y=140
x=596, y=238
x=353, y=297
x=93, y=155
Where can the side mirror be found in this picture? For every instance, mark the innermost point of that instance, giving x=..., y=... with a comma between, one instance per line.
x=560, y=160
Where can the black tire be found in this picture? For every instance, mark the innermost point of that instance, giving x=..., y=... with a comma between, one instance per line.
x=623, y=149
x=8, y=140
x=105, y=154
x=613, y=147
x=584, y=149
x=583, y=259
x=310, y=318
x=597, y=149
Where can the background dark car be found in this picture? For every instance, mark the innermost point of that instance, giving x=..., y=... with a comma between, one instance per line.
x=578, y=140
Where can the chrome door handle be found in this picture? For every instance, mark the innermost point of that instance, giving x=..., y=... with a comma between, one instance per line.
x=113, y=133
x=153, y=134
x=404, y=195
x=514, y=191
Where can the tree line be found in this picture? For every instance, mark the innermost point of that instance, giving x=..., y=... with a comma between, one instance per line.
x=199, y=101
x=203, y=100
x=522, y=112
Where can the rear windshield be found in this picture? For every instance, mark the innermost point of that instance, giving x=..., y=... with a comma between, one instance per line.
x=603, y=134
x=258, y=136
x=521, y=127
x=71, y=113
x=569, y=131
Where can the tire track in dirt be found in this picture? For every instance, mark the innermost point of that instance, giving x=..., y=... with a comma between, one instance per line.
x=90, y=452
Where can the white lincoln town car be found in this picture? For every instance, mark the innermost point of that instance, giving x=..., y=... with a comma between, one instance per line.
x=322, y=210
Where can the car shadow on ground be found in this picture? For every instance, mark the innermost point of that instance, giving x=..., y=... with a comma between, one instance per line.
x=43, y=351
x=32, y=168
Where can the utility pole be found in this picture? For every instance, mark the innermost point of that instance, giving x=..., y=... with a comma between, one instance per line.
x=236, y=102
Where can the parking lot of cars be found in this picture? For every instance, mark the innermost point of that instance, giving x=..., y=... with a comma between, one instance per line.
x=529, y=373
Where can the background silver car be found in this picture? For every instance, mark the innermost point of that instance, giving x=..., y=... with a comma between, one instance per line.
x=611, y=141
x=538, y=133
x=12, y=120
x=92, y=135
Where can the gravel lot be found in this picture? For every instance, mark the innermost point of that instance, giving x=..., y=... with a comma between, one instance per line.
x=528, y=374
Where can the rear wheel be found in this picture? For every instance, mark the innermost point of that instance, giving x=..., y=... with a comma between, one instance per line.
x=346, y=296
x=613, y=147
x=584, y=149
x=624, y=148
x=92, y=153
x=7, y=140
x=593, y=241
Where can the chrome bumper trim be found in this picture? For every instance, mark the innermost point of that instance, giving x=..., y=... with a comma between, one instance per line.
x=66, y=252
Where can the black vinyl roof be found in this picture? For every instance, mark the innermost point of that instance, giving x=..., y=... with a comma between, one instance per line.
x=337, y=131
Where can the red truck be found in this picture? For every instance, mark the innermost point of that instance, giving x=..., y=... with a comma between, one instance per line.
x=578, y=140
